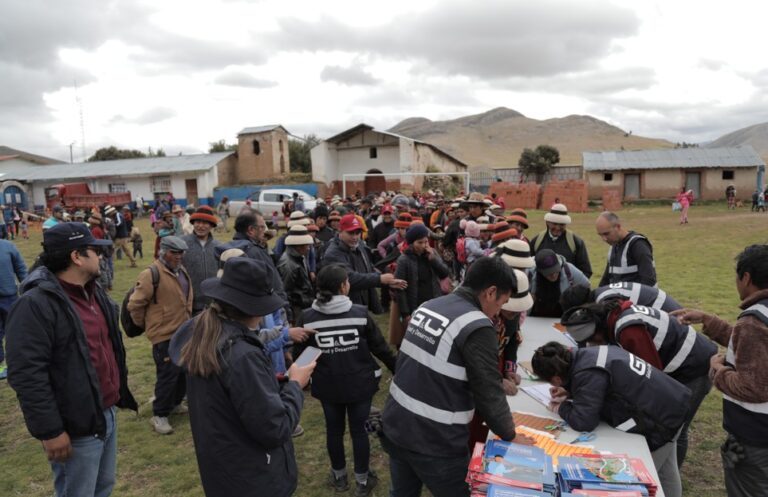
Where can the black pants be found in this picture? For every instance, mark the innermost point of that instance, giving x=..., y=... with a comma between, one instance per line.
x=334, y=427
x=748, y=476
x=171, y=384
x=137, y=249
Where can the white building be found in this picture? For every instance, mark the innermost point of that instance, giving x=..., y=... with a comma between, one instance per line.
x=362, y=149
x=189, y=178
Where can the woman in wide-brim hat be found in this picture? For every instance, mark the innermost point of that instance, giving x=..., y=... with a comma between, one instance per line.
x=241, y=417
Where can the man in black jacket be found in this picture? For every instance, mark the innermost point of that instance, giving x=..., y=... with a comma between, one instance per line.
x=346, y=249
x=294, y=269
x=66, y=362
x=631, y=256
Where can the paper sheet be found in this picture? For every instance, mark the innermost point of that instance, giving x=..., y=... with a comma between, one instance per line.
x=540, y=393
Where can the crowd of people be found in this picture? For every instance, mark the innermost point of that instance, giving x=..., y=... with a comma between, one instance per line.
x=229, y=323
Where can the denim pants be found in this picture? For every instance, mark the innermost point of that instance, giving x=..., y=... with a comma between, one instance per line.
x=171, y=383
x=90, y=470
x=409, y=471
x=334, y=431
x=5, y=305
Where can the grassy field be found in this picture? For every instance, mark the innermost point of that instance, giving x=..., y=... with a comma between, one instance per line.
x=694, y=263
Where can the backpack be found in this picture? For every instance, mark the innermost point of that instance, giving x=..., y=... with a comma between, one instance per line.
x=461, y=250
x=132, y=329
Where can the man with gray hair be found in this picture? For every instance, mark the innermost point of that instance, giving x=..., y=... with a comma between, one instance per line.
x=160, y=303
x=630, y=257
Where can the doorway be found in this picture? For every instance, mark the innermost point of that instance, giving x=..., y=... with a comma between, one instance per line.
x=693, y=182
x=631, y=186
x=374, y=184
x=191, y=186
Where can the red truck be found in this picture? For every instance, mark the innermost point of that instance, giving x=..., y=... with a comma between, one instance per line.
x=79, y=196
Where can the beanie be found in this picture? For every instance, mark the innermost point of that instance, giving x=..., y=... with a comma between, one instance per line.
x=471, y=229
x=416, y=231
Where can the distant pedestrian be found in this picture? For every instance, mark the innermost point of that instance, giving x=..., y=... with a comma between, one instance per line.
x=12, y=270
x=223, y=211
x=684, y=198
x=730, y=195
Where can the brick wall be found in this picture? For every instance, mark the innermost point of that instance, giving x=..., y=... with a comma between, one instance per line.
x=335, y=188
x=572, y=193
x=611, y=199
x=523, y=195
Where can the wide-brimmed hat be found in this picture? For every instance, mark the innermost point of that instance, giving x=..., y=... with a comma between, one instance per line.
x=109, y=210
x=558, y=214
x=177, y=208
x=580, y=322
x=516, y=218
x=224, y=256
x=303, y=221
x=299, y=235
x=501, y=236
x=516, y=253
x=548, y=262
x=245, y=284
x=475, y=198
x=95, y=218
x=521, y=300
x=204, y=213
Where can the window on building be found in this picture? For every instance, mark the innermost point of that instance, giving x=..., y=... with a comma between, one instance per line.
x=160, y=184
x=256, y=147
x=373, y=153
x=608, y=177
x=728, y=174
x=117, y=188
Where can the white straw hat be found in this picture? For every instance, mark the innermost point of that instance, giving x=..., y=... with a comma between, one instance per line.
x=516, y=253
x=521, y=300
x=558, y=214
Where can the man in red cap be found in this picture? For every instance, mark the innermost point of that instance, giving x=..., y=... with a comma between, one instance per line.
x=346, y=249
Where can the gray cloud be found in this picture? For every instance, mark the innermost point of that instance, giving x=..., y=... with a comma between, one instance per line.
x=149, y=116
x=349, y=76
x=588, y=83
x=492, y=40
x=243, y=79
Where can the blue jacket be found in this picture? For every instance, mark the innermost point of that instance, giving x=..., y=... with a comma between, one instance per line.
x=12, y=268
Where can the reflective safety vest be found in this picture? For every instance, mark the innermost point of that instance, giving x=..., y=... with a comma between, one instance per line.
x=430, y=403
x=640, y=399
x=684, y=353
x=620, y=268
x=639, y=294
x=748, y=421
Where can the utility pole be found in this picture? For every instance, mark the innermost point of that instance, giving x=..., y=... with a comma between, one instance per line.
x=71, y=158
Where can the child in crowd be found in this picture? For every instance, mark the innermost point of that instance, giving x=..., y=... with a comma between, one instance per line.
x=137, y=242
x=274, y=220
x=24, y=229
x=472, y=244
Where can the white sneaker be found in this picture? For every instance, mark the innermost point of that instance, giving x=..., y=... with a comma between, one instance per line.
x=161, y=425
x=180, y=409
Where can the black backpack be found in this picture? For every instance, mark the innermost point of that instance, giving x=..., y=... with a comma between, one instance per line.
x=132, y=329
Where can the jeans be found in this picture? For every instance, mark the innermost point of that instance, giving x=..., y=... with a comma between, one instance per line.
x=665, y=461
x=90, y=470
x=171, y=384
x=5, y=305
x=334, y=432
x=409, y=471
x=700, y=387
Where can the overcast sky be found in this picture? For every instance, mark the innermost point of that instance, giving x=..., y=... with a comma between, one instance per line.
x=178, y=74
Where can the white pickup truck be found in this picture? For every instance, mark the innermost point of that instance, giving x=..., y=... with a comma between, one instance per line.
x=269, y=200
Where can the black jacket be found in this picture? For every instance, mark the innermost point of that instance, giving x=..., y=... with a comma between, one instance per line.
x=296, y=280
x=579, y=257
x=363, y=279
x=258, y=252
x=49, y=363
x=242, y=419
x=347, y=335
x=408, y=269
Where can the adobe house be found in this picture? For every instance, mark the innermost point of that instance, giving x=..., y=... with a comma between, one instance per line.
x=659, y=174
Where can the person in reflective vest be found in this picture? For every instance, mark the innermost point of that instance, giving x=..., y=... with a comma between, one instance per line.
x=448, y=367
x=608, y=383
x=740, y=374
x=630, y=257
x=638, y=293
x=653, y=336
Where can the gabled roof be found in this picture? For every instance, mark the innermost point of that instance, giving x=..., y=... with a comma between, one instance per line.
x=362, y=127
x=261, y=129
x=123, y=167
x=676, y=158
x=7, y=153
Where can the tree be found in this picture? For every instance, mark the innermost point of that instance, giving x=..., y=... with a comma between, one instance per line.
x=299, y=152
x=114, y=153
x=538, y=162
x=221, y=146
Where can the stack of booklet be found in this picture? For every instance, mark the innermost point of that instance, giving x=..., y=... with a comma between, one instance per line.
x=602, y=475
x=506, y=469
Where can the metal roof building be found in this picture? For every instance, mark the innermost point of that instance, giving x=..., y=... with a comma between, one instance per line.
x=662, y=173
x=687, y=158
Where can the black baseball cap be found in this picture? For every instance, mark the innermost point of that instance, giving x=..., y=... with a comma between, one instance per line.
x=71, y=236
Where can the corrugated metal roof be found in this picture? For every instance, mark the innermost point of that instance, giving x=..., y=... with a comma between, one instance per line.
x=261, y=129
x=123, y=167
x=744, y=156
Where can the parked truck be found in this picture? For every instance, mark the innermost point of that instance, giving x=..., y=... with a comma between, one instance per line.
x=269, y=200
x=79, y=196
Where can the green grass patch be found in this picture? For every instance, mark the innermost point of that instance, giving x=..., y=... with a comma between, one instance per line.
x=694, y=263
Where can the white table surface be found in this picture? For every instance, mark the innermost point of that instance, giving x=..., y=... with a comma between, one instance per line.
x=538, y=331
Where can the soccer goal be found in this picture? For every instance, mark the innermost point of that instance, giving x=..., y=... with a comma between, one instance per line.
x=378, y=181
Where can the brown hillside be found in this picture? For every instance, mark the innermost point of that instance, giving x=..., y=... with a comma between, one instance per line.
x=755, y=135
x=496, y=138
